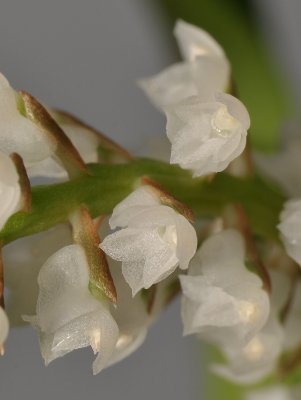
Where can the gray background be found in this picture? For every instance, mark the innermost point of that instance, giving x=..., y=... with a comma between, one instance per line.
x=85, y=57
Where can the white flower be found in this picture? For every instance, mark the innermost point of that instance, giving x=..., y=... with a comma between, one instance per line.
x=4, y=326
x=257, y=358
x=10, y=191
x=223, y=301
x=206, y=137
x=271, y=393
x=68, y=317
x=23, y=260
x=255, y=361
x=204, y=71
x=154, y=241
x=290, y=228
x=18, y=134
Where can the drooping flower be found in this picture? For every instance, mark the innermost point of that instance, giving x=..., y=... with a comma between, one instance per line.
x=67, y=316
x=153, y=242
x=18, y=134
x=206, y=137
x=4, y=326
x=204, y=71
x=10, y=191
x=222, y=301
x=290, y=228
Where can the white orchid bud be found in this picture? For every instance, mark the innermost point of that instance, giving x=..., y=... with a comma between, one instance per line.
x=257, y=359
x=206, y=137
x=272, y=393
x=223, y=301
x=18, y=134
x=10, y=191
x=68, y=316
x=154, y=241
x=4, y=327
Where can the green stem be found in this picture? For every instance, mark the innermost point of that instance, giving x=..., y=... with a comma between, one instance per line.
x=109, y=184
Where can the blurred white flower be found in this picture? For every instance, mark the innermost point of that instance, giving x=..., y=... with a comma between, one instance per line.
x=206, y=137
x=19, y=134
x=259, y=357
x=255, y=361
x=222, y=300
x=290, y=228
x=292, y=392
x=10, y=191
x=154, y=241
x=4, y=326
x=204, y=71
x=271, y=393
x=68, y=317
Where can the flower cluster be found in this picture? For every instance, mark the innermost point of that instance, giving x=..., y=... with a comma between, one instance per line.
x=111, y=245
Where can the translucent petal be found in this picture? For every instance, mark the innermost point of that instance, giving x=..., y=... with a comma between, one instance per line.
x=22, y=262
x=170, y=86
x=132, y=205
x=186, y=241
x=63, y=283
x=235, y=108
x=195, y=42
x=132, y=244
